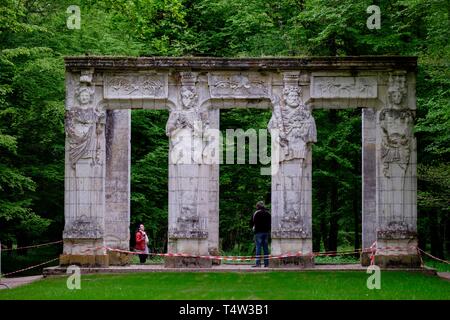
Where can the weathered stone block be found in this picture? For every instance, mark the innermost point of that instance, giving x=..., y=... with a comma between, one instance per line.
x=293, y=262
x=398, y=261
x=119, y=258
x=84, y=260
x=187, y=262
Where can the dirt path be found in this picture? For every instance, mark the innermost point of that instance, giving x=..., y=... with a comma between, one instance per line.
x=16, y=282
x=444, y=275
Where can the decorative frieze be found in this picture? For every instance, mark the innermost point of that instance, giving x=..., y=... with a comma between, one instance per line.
x=248, y=85
x=135, y=86
x=343, y=87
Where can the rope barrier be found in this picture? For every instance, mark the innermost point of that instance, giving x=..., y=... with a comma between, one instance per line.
x=33, y=246
x=29, y=268
x=372, y=249
x=436, y=258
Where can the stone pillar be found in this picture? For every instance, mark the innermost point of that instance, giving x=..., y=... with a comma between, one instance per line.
x=291, y=184
x=117, y=188
x=369, y=221
x=211, y=160
x=84, y=203
x=396, y=177
x=193, y=180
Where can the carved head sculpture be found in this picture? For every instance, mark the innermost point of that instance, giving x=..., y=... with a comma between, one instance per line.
x=85, y=95
x=396, y=89
x=189, y=97
x=291, y=96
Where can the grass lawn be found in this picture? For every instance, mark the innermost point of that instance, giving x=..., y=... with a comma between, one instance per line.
x=232, y=285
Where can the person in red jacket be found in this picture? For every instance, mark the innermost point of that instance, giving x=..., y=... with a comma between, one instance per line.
x=141, y=243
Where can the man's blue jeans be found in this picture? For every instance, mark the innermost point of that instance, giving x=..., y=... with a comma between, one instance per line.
x=262, y=240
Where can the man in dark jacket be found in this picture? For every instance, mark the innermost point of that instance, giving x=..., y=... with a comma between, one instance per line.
x=261, y=222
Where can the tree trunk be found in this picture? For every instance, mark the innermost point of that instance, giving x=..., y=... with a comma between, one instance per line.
x=321, y=232
x=334, y=214
x=356, y=217
x=436, y=240
x=447, y=236
x=334, y=218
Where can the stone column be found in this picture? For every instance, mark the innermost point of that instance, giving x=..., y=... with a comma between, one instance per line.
x=369, y=221
x=211, y=160
x=117, y=189
x=396, y=177
x=291, y=184
x=192, y=200
x=84, y=173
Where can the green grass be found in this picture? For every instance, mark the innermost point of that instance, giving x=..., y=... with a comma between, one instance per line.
x=267, y=285
x=439, y=266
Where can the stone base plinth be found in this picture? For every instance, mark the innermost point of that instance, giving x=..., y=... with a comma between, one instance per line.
x=119, y=258
x=187, y=262
x=84, y=260
x=365, y=259
x=292, y=262
x=400, y=261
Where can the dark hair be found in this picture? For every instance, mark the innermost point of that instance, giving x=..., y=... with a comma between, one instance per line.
x=260, y=205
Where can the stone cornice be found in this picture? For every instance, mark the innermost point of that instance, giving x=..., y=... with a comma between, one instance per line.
x=323, y=63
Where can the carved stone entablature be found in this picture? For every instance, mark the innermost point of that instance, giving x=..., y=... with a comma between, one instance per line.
x=248, y=85
x=85, y=124
x=291, y=226
x=86, y=76
x=83, y=228
x=188, y=78
x=396, y=230
x=343, y=87
x=396, y=126
x=135, y=86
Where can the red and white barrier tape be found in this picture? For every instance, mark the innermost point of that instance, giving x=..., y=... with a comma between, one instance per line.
x=239, y=258
x=373, y=249
x=29, y=268
x=436, y=258
x=33, y=246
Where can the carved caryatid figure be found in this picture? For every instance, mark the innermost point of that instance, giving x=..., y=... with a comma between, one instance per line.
x=296, y=133
x=396, y=124
x=296, y=125
x=84, y=126
x=185, y=127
